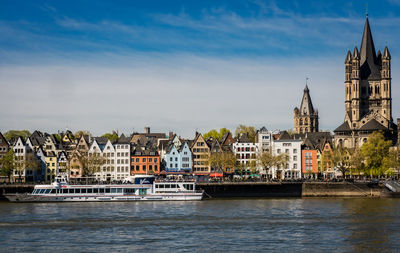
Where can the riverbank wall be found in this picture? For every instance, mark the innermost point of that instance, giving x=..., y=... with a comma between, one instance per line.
x=290, y=189
x=14, y=188
x=263, y=189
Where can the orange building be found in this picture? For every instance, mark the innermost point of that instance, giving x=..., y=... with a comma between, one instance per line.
x=309, y=162
x=144, y=162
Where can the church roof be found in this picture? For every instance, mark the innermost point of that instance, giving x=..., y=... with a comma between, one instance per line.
x=373, y=125
x=369, y=68
x=306, y=107
x=343, y=127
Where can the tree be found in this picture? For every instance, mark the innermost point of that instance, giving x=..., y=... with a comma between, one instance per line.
x=11, y=134
x=374, y=152
x=92, y=163
x=222, y=160
x=338, y=158
x=356, y=162
x=215, y=134
x=249, y=130
x=113, y=137
x=79, y=133
x=30, y=162
x=391, y=163
x=267, y=160
x=7, y=164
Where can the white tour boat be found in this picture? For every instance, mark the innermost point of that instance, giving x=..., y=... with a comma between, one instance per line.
x=143, y=188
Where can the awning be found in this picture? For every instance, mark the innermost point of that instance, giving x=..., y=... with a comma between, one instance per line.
x=216, y=175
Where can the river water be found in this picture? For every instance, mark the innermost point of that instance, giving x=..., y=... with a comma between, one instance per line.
x=275, y=225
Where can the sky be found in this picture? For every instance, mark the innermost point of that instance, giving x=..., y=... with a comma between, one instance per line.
x=181, y=66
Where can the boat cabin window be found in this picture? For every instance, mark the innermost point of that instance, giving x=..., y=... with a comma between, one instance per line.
x=119, y=190
x=70, y=190
x=96, y=190
x=53, y=191
x=160, y=186
x=42, y=191
x=34, y=191
x=64, y=190
x=83, y=190
x=129, y=190
x=90, y=190
x=101, y=190
x=167, y=186
x=188, y=186
x=107, y=190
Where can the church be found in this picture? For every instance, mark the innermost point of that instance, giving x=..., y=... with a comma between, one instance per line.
x=305, y=118
x=368, y=98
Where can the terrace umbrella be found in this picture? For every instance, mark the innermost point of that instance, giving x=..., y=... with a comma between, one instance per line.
x=216, y=174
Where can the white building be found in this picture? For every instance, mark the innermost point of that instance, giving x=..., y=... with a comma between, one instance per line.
x=264, y=140
x=122, y=158
x=292, y=170
x=245, y=152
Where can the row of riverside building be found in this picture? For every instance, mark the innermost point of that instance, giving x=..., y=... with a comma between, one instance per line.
x=161, y=153
x=368, y=108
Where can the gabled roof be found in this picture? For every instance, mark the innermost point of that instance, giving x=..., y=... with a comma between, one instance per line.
x=343, y=127
x=372, y=125
x=284, y=135
x=123, y=139
x=243, y=138
x=4, y=139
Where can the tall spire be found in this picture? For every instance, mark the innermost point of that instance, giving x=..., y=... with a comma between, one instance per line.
x=368, y=62
x=367, y=50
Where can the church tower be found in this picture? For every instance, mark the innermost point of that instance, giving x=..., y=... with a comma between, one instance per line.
x=305, y=118
x=368, y=98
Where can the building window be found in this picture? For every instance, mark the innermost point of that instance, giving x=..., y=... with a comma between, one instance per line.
x=144, y=160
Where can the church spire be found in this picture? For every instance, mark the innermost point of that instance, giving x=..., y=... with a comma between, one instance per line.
x=367, y=50
x=306, y=107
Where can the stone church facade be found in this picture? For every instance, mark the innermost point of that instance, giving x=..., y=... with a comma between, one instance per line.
x=305, y=118
x=368, y=98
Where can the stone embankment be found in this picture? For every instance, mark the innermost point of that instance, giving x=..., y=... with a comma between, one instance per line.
x=264, y=189
x=289, y=189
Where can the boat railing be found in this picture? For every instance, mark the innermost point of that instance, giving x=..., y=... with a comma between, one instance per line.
x=174, y=181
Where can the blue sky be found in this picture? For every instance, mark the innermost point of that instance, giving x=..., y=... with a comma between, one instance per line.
x=181, y=65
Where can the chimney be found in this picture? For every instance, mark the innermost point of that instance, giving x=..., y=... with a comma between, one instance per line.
x=147, y=130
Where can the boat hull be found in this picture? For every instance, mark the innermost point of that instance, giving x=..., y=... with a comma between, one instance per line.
x=104, y=198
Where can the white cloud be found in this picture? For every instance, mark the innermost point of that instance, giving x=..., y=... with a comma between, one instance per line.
x=182, y=94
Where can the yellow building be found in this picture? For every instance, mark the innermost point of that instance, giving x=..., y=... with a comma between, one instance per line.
x=51, y=166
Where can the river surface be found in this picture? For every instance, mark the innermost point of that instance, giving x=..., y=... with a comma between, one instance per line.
x=274, y=225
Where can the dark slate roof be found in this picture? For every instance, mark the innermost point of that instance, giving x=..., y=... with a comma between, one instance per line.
x=284, y=135
x=123, y=140
x=4, y=139
x=372, y=125
x=317, y=140
x=369, y=66
x=306, y=107
x=243, y=138
x=343, y=127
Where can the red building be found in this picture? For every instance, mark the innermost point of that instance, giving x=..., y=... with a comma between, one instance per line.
x=309, y=162
x=144, y=161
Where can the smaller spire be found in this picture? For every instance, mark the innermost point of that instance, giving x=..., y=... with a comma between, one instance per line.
x=386, y=54
x=366, y=10
x=356, y=54
x=348, y=57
